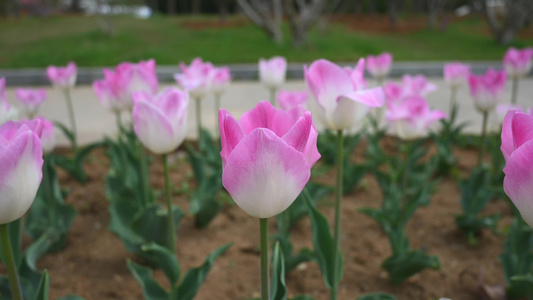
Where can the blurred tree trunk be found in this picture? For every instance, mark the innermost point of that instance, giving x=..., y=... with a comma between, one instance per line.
x=517, y=13
x=153, y=4
x=435, y=8
x=358, y=7
x=171, y=7
x=418, y=6
x=223, y=10
x=265, y=14
x=372, y=6
x=75, y=6
x=196, y=7
x=303, y=15
x=392, y=6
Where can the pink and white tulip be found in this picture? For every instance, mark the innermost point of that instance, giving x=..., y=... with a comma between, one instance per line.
x=289, y=99
x=63, y=77
x=220, y=80
x=412, y=118
x=48, y=139
x=21, y=158
x=272, y=72
x=357, y=75
x=340, y=104
x=411, y=86
x=116, y=89
x=160, y=121
x=196, y=78
x=379, y=66
x=487, y=89
x=517, y=148
x=31, y=99
x=517, y=63
x=267, y=157
x=456, y=74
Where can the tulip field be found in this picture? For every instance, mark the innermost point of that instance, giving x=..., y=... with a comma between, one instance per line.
x=353, y=188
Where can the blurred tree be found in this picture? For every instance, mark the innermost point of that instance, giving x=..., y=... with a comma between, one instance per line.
x=75, y=6
x=267, y=14
x=171, y=7
x=515, y=15
x=435, y=8
x=196, y=7
x=392, y=7
x=302, y=15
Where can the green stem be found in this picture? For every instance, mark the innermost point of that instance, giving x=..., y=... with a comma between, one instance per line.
x=264, y=259
x=217, y=108
x=72, y=119
x=199, y=118
x=338, y=211
x=171, y=230
x=514, y=96
x=48, y=191
x=118, y=117
x=482, y=140
x=145, y=176
x=273, y=96
x=453, y=99
x=14, y=282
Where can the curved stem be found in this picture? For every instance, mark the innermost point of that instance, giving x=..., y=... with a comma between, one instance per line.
x=72, y=119
x=217, y=108
x=48, y=189
x=171, y=230
x=273, y=96
x=145, y=176
x=482, y=140
x=199, y=118
x=14, y=282
x=514, y=96
x=338, y=211
x=453, y=99
x=118, y=117
x=263, y=224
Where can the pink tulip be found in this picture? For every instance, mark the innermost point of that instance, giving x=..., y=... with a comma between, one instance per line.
x=196, y=78
x=411, y=119
x=379, y=66
x=21, y=158
x=62, y=77
x=272, y=72
x=160, y=121
x=357, y=75
x=502, y=109
x=48, y=139
x=287, y=99
x=7, y=113
x=340, y=105
x=411, y=86
x=518, y=62
x=517, y=148
x=487, y=89
x=116, y=89
x=31, y=99
x=267, y=157
x=455, y=74
x=220, y=80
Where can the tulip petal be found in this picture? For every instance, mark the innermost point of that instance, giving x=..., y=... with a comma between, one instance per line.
x=518, y=181
x=264, y=175
x=230, y=133
x=299, y=134
x=153, y=128
x=264, y=115
x=522, y=127
x=507, y=146
x=20, y=175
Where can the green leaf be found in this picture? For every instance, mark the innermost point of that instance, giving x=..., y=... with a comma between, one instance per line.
x=66, y=131
x=151, y=288
x=165, y=260
x=401, y=267
x=376, y=296
x=196, y=276
x=323, y=244
x=278, y=289
x=44, y=285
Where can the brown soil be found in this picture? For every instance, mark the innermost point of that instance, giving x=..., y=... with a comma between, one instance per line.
x=93, y=263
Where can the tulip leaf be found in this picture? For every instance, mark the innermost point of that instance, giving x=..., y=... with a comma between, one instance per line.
x=151, y=288
x=44, y=286
x=323, y=244
x=195, y=277
x=69, y=134
x=401, y=267
x=206, y=164
x=74, y=165
x=278, y=289
x=165, y=260
x=377, y=296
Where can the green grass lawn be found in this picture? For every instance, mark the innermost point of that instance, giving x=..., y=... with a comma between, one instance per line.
x=36, y=42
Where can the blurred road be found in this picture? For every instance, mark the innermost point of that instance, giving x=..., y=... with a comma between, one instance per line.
x=94, y=121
